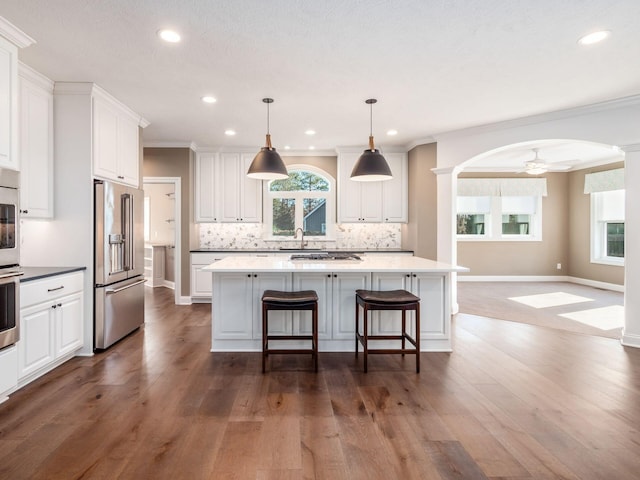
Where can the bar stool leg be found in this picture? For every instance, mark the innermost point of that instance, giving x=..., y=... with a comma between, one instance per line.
x=417, y=338
x=315, y=336
x=404, y=328
x=357, y=325
x=365, y=326
x=265, y=329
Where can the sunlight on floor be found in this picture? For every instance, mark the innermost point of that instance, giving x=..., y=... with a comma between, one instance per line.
x=604, y=318
x=546, y=300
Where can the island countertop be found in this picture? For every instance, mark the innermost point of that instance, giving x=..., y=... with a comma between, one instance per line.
x=373, y=263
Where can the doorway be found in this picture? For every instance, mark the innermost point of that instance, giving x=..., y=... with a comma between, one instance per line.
x=162, y=227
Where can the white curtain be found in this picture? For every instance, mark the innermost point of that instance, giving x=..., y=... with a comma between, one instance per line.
x=499, y=187
x=604, y=181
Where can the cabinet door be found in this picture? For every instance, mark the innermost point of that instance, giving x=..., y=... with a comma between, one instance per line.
x=280, y=322
x=200, y=282
x=105, y=139
x=371, y=202
x=395, y=191
x=205, y=191
x=250, y=192
x=36, y=346
x=36, y=151
x=8, y=105
x=128, y=151
x=69, y=321
x=349, y=192
x=322, y=284
x=344, y=302
x=8, y=370
x=229, y=187
x=232, y=306
x=434, y=305
x=389, y=322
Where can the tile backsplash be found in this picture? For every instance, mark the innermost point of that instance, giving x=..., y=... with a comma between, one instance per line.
x=348, y=235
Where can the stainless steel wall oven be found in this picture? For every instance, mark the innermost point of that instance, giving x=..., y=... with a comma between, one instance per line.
x=9, y=257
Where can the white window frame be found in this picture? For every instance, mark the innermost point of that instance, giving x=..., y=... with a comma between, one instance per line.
x=298, y=196
x=598, y=234
x=493, y=225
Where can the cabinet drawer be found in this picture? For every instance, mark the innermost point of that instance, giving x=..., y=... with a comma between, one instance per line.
x=39, y=291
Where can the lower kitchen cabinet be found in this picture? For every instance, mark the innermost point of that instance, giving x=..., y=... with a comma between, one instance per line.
x=8, y=371
x=51, y=324
x=239, y=315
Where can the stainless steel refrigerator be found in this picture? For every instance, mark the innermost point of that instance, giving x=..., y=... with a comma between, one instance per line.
x=119, y=262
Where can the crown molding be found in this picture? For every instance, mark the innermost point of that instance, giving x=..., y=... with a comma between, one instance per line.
x=634, y=147
x=444, y=170
x=14, y=34
x=308, y=153
x=630, y=101
x=28, y=73
x=157, y=144
x=420, y=141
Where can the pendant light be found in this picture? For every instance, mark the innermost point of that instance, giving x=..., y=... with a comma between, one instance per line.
x=371, y=166
x=267, y=164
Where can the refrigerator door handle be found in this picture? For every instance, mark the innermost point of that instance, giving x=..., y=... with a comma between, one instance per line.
x=127, y=229
x=111, y=291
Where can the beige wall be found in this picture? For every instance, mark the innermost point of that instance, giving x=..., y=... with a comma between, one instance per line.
x=176, y=162
x=580, y=265
x=526, y=258
x=420, y=233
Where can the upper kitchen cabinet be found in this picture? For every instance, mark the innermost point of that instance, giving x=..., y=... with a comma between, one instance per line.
x=372, y=202
x=10, y=40
x=223, y=191
x=36, y=144
x=116, y=148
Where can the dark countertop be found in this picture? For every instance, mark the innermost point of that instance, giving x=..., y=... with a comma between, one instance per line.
x=36, y=273
x=275, y=250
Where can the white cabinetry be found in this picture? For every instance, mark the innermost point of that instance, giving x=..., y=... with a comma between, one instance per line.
x=51, y=324
x=201, y=281
x=223, y=191
x=239, y=316
x=8, y=371
x=36, y=144
x=10, y=39
x=372, y=202
x=434, y=306
x=115, y=140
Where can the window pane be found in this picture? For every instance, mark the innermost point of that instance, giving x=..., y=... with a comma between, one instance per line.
x=300, y=181
x=470, y=224
x=615, y=240
x=516, y=224
x=315, y=216
x=284, y=217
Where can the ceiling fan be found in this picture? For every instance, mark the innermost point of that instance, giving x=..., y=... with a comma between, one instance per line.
x=538, y=165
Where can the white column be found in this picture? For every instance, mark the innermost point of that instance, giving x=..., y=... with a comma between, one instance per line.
x=631, y=331
x=447, y=179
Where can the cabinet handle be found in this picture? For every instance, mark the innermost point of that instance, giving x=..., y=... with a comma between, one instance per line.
x=255, y=275
x=59, y=304
x=24, y=211
x=54, y=289
x=54, y=306
x=408, y=275
x=414, y=275
x=120, y=177
x=248, y=275
x=328, y=275
x=335, y=275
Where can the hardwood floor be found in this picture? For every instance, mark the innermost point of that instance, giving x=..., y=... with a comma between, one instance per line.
x=513, y=401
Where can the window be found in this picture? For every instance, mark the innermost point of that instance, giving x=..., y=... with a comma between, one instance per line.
x=304, y=200
x=499, y=217
x=607, y=227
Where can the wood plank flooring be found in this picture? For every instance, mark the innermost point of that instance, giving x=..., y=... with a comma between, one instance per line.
x=513, y=401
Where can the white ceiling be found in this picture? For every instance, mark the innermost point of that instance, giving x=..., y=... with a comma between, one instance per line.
x=434, y=66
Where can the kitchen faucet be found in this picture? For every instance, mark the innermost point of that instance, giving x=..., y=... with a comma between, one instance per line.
x=295, y=235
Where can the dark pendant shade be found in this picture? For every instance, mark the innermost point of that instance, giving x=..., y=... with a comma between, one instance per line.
x=371, y=167
x=267, y=165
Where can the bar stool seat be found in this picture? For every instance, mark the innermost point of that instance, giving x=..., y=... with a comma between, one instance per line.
x=279, y=300
x=401, y=300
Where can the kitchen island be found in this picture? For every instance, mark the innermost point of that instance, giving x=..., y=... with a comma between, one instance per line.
x=239, y=281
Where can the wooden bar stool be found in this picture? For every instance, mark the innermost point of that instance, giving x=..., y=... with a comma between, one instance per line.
x=277, y=300
x=387, y=300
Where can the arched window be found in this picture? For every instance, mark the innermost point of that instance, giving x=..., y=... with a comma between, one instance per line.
x=304, y=200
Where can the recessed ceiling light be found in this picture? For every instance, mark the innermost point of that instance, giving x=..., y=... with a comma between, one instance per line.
x=392, y=132
x=310, y=132
x=287, y=147
x=230, y=132
x=170, y=36
x=312, y=147
x=594, y=37
x=209, y=99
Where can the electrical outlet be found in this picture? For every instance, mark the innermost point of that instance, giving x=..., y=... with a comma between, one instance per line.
x=559, y=266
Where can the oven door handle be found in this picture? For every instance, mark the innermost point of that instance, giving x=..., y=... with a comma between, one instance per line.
x=12, y=274
x=111, y=291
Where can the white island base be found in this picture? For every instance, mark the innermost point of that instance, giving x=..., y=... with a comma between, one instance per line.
x=238, y=284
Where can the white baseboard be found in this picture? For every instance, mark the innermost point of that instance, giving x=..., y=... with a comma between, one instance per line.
x=630, y=340
x=168, y=284
x=541, y=278
x=185, y=300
